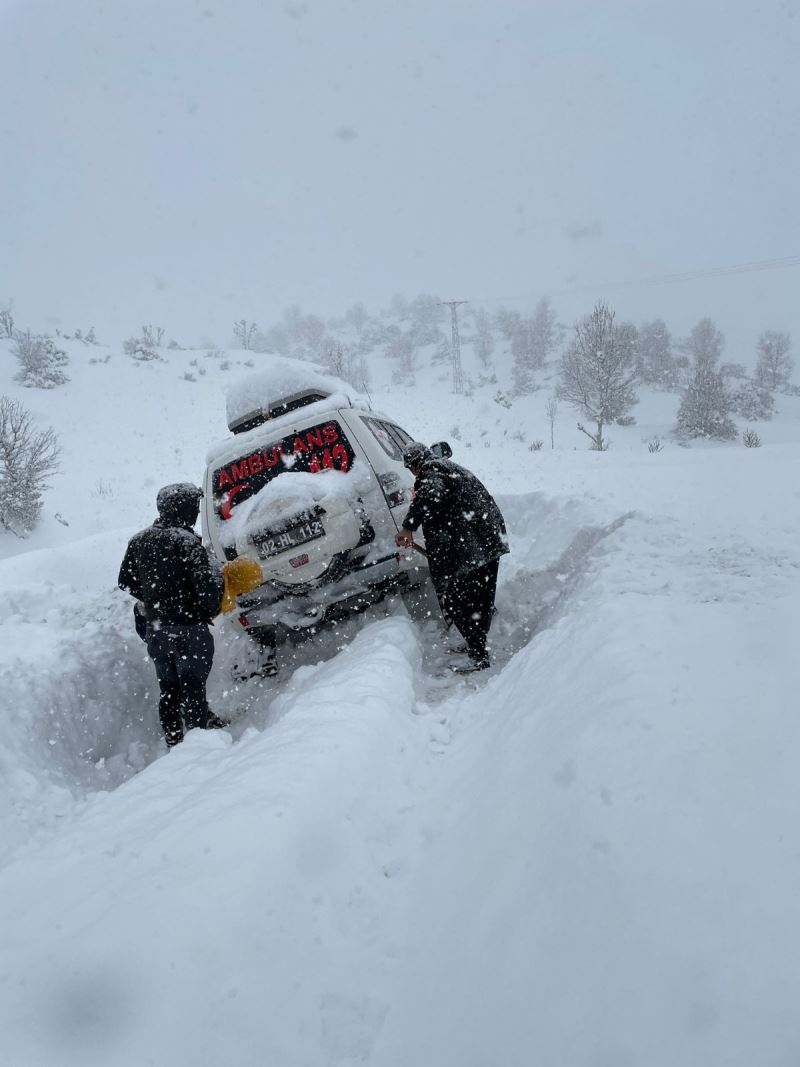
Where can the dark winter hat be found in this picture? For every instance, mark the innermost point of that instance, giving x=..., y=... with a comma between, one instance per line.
x=415, y=454
x=179, y=502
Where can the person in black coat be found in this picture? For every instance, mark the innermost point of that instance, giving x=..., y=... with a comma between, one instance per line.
x=465, y=536
x=179, y=591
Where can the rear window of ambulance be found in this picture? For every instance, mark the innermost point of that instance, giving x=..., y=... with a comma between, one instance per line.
x=321, y=447
x=390, y=437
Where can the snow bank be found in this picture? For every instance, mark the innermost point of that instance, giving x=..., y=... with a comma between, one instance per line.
x=78, y=689
x=266, y=870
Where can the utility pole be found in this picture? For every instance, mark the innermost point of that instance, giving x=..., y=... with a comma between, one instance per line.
x=455, y=348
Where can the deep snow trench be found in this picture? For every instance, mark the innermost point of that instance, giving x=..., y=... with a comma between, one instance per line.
x=83, y=694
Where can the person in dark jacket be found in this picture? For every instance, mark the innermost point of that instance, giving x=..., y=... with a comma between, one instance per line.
x=179, y=591
x=465, y=536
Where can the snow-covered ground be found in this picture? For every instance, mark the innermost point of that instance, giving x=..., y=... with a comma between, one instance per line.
x=587, y=857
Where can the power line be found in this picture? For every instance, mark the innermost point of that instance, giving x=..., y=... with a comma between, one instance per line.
x=663, y=279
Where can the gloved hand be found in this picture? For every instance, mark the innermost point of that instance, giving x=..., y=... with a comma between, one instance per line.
x=140, y=620
x=241, y=575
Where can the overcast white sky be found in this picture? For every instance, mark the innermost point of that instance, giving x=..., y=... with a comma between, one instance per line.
x=189, y=162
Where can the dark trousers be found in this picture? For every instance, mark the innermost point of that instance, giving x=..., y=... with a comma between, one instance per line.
x=469, y=602
x=182, y=656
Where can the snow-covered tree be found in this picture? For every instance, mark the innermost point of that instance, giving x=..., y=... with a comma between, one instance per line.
x=705, y=407
x=655, y=363
x=297, y=334
x=507, y=322
x=6, y=320
x=775, y=364
x=425, y=317
x=357, y=317
x=598, y=373
x=706, y=404
x=41, y=362
x=551, y=411
x=532, y=341
x=401, y=347
x=28, y=459
x=704, y=344
x=733, y=371
x=484, y=338
x=345, y=363
x=752, y=400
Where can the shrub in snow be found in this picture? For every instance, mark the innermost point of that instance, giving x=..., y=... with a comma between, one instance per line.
x=41, y=363
x=502, y=399
x=626, y=420
x=750, y=439
x=655, y=444
x=145, y=347
x=598, y=372
x=137, y=349
x=752, y=400
x=152, y=336
x=775, y=365
x=245, y=333
x=536, y=446
x=28, y=459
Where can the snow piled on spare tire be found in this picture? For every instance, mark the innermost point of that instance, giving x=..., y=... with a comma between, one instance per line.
x=282, y=499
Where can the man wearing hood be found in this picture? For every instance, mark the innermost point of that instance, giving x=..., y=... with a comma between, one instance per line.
x=179, y=591
x=465, y=535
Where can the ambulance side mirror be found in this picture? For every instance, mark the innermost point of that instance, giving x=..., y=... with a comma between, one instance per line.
x=442, y=450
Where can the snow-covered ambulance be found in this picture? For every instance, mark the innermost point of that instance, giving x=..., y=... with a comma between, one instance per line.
x=312, y=486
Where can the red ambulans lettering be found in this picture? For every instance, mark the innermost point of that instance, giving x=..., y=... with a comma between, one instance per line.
x=340, y=461
x=316, y=449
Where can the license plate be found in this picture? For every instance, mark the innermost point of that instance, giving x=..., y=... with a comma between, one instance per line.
x=272, y=544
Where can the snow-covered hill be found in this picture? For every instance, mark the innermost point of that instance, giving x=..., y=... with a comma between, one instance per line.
x=586, y=858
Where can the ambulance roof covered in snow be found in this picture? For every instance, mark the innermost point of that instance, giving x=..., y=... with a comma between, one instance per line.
x=281, y=379
x=258, y=394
